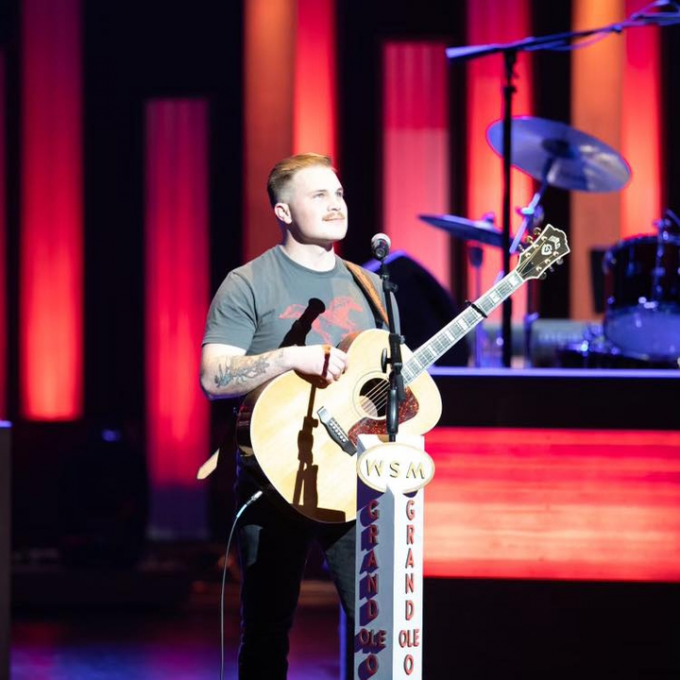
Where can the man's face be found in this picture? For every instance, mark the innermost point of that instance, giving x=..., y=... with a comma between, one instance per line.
x=313, y=207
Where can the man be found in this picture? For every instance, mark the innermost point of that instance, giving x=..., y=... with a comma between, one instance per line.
x=286, y=310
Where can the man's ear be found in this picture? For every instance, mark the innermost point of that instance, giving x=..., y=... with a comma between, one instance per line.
x=282, y=211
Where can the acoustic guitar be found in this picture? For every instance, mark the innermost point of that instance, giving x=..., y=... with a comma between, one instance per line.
x=304, y=433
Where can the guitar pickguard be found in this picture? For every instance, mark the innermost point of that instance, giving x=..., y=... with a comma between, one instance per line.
x=408, y=409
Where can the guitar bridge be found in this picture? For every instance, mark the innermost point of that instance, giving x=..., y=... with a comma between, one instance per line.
x=335, y=432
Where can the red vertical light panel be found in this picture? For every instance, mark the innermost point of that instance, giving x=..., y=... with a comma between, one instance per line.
x=269, y=63
x=177, y=293
x=51, y=239
x=596, y=86
x=641, y=127
x=3, y=250
x=315, y=99
x=290, y=100
x=495, y=21
x=416, y=151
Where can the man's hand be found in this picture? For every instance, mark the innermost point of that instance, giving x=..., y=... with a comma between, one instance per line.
x=329, y=363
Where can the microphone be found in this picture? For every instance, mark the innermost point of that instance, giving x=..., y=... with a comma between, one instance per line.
x=380, y=246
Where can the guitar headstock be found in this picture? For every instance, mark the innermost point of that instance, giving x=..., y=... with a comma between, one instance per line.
x=549, y=247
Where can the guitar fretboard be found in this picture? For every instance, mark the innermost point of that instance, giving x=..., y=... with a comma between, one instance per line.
x=457, y=329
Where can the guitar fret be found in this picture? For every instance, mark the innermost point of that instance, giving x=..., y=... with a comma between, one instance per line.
x=429, y=354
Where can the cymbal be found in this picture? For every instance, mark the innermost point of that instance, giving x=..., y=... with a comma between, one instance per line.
x=561, y=156
x=469, y=230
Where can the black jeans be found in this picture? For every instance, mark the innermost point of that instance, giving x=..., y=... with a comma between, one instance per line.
x=273, y=542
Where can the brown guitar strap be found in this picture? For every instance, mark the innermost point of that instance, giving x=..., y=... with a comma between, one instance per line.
x=369, y=290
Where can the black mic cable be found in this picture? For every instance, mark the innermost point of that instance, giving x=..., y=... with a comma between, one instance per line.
x=242, y=509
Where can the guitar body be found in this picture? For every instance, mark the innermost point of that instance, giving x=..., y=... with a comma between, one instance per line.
x=279, y=424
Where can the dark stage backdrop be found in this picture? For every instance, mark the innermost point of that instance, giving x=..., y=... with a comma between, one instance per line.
x=133, y=52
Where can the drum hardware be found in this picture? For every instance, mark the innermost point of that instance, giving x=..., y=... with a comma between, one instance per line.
x=642, y=289
x=670, y=222
x=595, y=350
x=607, y=355
x=560, y=156
x=602, y=168
x=555, y=154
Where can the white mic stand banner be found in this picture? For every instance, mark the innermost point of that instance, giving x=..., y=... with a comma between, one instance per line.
x=389, y=557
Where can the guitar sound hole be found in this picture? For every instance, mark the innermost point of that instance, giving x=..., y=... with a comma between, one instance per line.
x=373, y=397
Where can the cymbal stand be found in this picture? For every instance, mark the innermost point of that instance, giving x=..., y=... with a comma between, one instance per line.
x=509, y=59
x=476, y=258
x=533, y=216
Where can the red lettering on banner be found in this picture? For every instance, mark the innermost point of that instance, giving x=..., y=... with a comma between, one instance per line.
x=373, y=511
x=410, y=609
x=408, y=664
x=410, y=586
x=409, y=559
x=372, y=560
x=372, y=609
x=369, y=667
x=373, y=533
x=381, y=639
x=372, y=639
x=410, y=508
x=371, y=584
x=410, y=532
x=409, y=638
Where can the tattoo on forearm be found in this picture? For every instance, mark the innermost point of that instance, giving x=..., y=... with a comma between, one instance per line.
x=248, y=369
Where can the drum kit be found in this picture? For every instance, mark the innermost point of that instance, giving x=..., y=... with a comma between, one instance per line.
x=641, y=325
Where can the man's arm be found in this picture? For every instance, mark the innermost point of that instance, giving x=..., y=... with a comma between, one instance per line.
x=226, y=371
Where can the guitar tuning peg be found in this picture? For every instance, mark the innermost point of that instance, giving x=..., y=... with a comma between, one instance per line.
x=537, y=231
x=530, y=239
x=543, y=275
x=560, y=261
x=552, y=271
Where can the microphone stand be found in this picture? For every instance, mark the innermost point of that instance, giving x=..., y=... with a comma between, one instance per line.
x=397, y=393
x=510, y=57
x=531, y=44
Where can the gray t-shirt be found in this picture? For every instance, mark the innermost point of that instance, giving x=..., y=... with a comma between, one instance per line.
x=273, y=301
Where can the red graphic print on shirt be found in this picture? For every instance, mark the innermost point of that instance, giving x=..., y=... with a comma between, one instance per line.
x=337, y=315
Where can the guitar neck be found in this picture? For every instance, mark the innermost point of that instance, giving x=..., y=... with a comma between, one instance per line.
x=457, y=329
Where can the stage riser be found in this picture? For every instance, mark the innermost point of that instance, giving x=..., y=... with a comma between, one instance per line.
x=514, y=630
x=572, y=399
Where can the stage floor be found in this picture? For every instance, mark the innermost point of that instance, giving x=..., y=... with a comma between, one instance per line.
x=129, y=644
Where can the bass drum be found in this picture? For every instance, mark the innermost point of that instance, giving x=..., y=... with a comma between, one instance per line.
x=642, y=286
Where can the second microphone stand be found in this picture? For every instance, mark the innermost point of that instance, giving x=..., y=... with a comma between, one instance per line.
x=397, y=393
